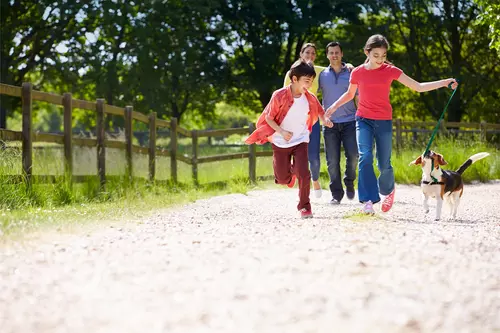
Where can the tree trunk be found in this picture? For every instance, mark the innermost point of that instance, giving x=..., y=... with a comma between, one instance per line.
x=264, y=97
x=176, y=112
x=455, y=110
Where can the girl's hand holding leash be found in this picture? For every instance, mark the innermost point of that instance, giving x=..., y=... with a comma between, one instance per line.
x=451, y=83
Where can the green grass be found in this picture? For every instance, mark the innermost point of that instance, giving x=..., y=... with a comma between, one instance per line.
x=61, y=206
x=455, y=152
x=24, y=209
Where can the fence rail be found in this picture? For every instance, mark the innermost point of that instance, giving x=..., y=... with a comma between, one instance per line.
x=27, y=136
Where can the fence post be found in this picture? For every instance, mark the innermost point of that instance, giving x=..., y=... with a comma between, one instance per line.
x=252, y=157
x=443, y=128
x=152, y=146
x=68, y=135
x=194, y=157
x=26, y=99
x=101, y=148
x=482, y=128
x=173, y=149
x=399, y=136
x=128, y=141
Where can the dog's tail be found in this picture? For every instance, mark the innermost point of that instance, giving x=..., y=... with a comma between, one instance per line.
x=472, y=159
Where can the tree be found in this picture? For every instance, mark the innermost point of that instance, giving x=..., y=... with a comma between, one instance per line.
x=263, y=38
x=30, y=35
x=431, y=40
x=96, y=66
x=490, y=17
x=178, y=65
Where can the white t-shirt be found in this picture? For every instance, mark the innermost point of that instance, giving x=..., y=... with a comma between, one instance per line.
x=295, y=122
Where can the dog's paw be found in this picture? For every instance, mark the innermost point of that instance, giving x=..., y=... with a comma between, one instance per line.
x=437, y=219
x=426, y=211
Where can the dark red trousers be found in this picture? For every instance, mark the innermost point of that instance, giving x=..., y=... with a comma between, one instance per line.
x=283, y=169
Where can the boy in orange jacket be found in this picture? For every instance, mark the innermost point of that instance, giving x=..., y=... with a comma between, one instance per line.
x=286, y=122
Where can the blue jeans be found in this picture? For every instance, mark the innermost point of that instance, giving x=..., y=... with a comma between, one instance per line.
x=341, y=133
x=313, y=151
x=380, y=131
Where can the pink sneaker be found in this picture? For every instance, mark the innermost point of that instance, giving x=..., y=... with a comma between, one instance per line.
x=388, y=201
x=292, y=181
x=306, y=213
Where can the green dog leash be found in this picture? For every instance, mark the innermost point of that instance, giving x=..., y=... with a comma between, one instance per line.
x=436, y=129
x=440, y=118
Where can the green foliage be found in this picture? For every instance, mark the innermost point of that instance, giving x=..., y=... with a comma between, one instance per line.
x=181, y=59
x=490, y=17
x=431, y=41
x=33, y=35
x=179, y=65
x=265, y=37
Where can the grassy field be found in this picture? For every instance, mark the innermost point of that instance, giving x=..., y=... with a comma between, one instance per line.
x=53, y=204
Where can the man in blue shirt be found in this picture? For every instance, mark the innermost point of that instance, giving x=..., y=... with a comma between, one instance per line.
x=333, y=82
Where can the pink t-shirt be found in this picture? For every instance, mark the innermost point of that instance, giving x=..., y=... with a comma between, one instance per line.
x=374, y=87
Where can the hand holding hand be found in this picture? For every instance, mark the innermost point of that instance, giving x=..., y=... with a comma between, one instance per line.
x=327, y=122
x=454, y=83
x=286, y=135
x=330, y=111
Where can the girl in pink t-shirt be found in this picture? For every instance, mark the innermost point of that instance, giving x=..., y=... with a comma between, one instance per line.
x=373, y=81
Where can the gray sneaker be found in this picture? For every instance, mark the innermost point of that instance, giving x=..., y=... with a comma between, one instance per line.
x=334, y=202
x=368, y=208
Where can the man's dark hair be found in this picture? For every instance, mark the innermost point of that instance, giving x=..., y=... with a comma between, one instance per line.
x=301, y=68
x=333, y=44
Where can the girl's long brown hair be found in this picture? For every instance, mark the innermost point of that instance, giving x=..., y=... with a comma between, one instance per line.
x=377, y=41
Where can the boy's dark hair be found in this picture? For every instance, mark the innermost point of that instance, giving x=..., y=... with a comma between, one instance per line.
x=333, y=44
x=301, y=68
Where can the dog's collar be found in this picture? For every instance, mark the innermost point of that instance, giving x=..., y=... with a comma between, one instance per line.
x=434, y=182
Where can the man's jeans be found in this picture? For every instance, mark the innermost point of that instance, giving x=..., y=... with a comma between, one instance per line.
x=313, y=150
x=380, y=131
x=341, y=133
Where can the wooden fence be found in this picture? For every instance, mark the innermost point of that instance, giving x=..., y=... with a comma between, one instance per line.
x=28, y=136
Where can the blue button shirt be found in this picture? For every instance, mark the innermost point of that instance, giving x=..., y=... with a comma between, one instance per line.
x=333, y=85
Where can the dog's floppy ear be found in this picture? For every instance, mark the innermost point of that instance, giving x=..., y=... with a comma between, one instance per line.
x=441, y=160
x=417, y=161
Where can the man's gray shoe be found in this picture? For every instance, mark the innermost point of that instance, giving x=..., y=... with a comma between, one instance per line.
x=334, y=202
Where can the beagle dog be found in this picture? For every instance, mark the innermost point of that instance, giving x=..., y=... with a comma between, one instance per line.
x=442, y=184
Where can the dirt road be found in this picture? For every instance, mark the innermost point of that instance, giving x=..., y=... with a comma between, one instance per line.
x=246, y=263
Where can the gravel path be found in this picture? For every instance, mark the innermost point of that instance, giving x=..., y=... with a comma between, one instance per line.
x=246, y=263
